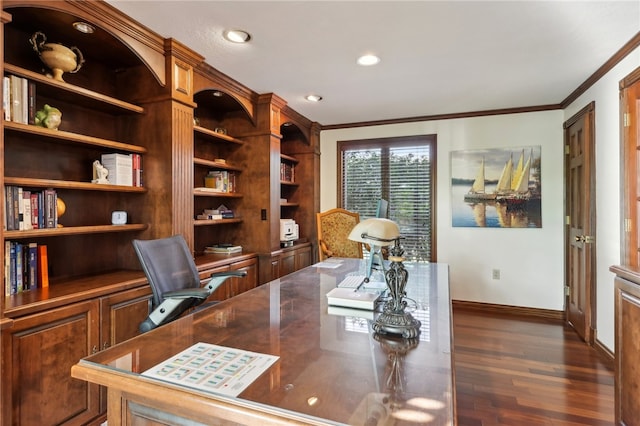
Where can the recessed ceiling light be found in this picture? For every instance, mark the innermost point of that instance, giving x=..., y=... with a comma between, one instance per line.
x=368, y=60
x=84, y=27
x=313, y=98
x=237, y=36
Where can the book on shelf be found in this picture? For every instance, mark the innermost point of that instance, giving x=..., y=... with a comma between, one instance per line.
x=223, y=249
x=32, y=266
x=22, y=268
x=26, y=209
x=120, y=167
x=351, y=298
x=43, y=267
x=136, y=165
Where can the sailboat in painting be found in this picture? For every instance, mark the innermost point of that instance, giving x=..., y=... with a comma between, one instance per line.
x=519, y=192
x=477, y=191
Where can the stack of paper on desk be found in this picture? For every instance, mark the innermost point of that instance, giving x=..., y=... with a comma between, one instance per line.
x=350, y=298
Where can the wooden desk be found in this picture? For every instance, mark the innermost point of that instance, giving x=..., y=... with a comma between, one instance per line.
x=332, y=369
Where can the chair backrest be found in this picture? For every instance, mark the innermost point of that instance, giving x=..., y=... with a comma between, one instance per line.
x=168, y=265
x=334, y=227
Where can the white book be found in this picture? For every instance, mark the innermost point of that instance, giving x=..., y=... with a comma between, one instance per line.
x=120, y=167
x=350, y=298
x=6, y=98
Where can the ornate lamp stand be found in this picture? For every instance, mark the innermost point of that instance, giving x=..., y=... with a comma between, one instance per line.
x=394, y=319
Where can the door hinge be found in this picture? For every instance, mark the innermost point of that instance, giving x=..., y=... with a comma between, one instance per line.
x=567, y=290
x=567, y=149
x=628, y=225
x=626, y=119
x=567, y=220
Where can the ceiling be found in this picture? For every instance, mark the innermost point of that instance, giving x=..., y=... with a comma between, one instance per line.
x=437, y=57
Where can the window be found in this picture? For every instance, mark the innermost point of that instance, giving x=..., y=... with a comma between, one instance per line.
x=401, y=170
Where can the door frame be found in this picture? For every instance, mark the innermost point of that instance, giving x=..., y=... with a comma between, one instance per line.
x=588, y=113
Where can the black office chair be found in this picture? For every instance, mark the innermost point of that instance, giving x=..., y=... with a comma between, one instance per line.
x=174, y=279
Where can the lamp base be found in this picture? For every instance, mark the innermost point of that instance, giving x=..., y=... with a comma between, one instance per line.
x=402, y=323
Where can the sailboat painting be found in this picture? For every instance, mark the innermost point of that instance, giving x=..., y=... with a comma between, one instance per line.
x=496, y=188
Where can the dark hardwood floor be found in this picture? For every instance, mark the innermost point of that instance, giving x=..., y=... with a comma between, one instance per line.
x=521, y=371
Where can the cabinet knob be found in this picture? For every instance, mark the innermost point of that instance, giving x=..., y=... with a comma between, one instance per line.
x=94, y=349
x=105, y=345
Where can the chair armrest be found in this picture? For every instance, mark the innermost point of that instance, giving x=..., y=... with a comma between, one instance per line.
x=187, y=293
x=229, y=274
x=325, y=249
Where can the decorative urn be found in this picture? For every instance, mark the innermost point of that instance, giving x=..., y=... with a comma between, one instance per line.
x=58, y=58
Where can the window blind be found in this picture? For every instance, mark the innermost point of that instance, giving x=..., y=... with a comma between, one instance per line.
x=400, y=170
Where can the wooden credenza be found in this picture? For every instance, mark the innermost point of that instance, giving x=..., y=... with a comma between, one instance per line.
x=627, y=332
x=331, y=369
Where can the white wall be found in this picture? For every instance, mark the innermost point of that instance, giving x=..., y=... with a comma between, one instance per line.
x=530, y=260
x=607, y=124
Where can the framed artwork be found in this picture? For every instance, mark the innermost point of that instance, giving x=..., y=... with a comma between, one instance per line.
x=496, y=188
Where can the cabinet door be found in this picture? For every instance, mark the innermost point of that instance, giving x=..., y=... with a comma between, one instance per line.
x=39, y=351
x=250, y=281
x=287, y=263
x=121, y=313
x=303, y=257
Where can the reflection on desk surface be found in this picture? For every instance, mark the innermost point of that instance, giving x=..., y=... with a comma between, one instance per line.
x=331, y=367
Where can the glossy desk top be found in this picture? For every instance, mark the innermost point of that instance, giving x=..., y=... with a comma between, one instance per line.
x=331, y=368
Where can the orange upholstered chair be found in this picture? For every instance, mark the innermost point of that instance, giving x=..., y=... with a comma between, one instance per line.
x=334, y=227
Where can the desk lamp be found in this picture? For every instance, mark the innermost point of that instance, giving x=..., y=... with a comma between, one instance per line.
x=378, y=233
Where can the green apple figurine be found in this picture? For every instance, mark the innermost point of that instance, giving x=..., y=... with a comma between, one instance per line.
x=49, y=117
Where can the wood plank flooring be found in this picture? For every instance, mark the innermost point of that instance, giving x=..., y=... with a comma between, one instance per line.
x=521, y=371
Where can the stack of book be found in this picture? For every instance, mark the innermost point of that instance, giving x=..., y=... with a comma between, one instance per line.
x=19, y=100
x=26, y=210
x=26, y=267
x=222, y=212
x=223, y=249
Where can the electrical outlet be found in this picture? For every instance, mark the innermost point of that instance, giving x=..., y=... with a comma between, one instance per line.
x=495, y=274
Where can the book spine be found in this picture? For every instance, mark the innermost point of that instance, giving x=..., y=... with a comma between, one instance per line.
x=16, y=208
x=16, y=98
x=8, y=198
x=26, y=210
x=25, y=100
x=19, y=268
x=33, y=266
x=12, y=268
x=41, y=221
x=34, y=210
x=7, y=268
x=31, y=100
x=20, y=209
x=43, y=267
x=6, y=98
x=50, y=208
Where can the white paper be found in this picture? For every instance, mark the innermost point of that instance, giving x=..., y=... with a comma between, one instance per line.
x=213, y=368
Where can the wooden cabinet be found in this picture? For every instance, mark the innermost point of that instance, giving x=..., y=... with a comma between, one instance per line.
x=38, y=352
x=627, y=333
x=141, y=94
x=291, y=259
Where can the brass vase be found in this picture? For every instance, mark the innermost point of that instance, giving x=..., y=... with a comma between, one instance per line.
x=58, y=58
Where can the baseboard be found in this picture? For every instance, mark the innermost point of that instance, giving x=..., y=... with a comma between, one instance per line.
x=608, y=357
x=508, y=310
